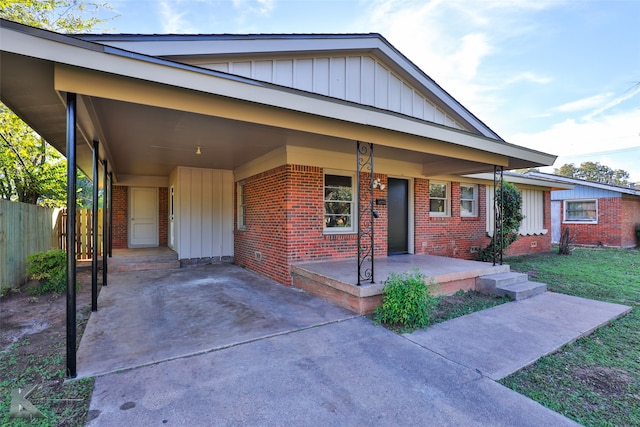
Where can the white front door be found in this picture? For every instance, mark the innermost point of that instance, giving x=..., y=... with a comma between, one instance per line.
x=143, y=217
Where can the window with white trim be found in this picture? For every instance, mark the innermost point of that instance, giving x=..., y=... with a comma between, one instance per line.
x=439, y=199
x=468, y=200
x=242, y=206
x=339, y=209
x=581, y=211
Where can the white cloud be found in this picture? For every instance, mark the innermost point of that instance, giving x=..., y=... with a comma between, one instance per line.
x=613, y=140
x=584, y=103
x=628, y=95
x=258, y=7
x=172, y=21
x=452, y=40
x=528, y=76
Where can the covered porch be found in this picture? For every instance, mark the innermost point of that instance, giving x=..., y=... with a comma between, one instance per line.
x=335, y=280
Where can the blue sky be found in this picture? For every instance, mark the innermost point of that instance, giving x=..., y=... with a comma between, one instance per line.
x=559, y=76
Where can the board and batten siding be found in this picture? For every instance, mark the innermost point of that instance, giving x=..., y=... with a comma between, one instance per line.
x=360, y=79
x=532, y=209
x=203, y=212
x=24, y=229
x=584, y=192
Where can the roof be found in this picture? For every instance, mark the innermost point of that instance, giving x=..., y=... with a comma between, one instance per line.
x=518, y=178
x=577, y=181
x=178, y=47
x=115, y=84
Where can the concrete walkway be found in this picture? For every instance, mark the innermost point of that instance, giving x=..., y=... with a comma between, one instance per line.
x=336, y=369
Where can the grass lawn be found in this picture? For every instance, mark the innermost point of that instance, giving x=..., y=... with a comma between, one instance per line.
x=596, y=380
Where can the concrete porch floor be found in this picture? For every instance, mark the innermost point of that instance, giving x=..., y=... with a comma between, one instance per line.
x=336, y=280
x=145, y=317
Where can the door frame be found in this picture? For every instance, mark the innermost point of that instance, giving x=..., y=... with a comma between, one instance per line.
x=156, y=237
x=410, y=213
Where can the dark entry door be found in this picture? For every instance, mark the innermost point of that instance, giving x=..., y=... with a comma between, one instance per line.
x=398, y=210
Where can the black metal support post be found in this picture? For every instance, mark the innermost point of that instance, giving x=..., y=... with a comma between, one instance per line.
x=365, y=178
x=498, y=217
x=71, y=235
x=110, y=210
x=94, y=234
x=106, y=228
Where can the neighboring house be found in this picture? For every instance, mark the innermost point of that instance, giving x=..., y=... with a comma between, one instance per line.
x=596, y=214
x=244, y=146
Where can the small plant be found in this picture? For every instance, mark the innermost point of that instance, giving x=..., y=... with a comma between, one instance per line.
x=49, y=268
x=406, y=301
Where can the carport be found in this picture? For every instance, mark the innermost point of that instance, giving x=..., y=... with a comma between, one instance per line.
x=151, y=316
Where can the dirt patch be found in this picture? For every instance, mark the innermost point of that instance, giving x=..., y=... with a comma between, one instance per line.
x=452, y=303
x=605, y=380
x=33, y=352
x=39, y=316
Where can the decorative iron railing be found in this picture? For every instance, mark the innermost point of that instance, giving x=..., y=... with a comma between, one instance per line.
x=365, y=212
x=498, y=203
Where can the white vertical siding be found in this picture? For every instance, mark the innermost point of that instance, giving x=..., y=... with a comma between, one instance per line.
x=532, y=209
x=354, y=79
x=360, y=79
x=284, y=73
x=303, y=78
x=338, y=78
x=321, y=76
x=204, y=212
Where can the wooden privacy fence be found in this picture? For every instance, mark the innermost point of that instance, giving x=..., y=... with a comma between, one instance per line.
x=24, y=229
x=84, y=232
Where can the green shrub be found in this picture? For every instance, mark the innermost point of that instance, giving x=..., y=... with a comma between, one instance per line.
x=510, y=203
x=49, y=268
x=406, y=301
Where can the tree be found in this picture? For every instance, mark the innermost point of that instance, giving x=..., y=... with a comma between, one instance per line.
x=595, y=172
x=31, y=170
x=64, y=16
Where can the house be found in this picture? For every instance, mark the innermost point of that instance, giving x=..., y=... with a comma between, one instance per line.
x=596, y=214
x=270, y=150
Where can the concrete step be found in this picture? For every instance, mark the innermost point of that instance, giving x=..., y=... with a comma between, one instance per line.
x=516, y=285
x=521, y=290
x=120, y=267
x=490, y=282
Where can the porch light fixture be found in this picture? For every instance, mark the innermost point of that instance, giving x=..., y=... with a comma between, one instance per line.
x=376, y=184
x=198, y=150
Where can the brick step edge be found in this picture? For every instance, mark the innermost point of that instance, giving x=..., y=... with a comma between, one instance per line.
x=141, y=266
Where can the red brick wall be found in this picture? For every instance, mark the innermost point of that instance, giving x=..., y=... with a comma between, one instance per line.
x=630, y=220
x=163, y=216
x=120, y=202
x=617, y=219
x=454, y=236
x=284, y=224
x=121, y=216
x=262, y=246
x=606, y=232
x=293, y=193
x=448, y=236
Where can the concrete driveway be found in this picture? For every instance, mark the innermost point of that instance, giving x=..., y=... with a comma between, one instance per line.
x=219, y=345
x=145, y=317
